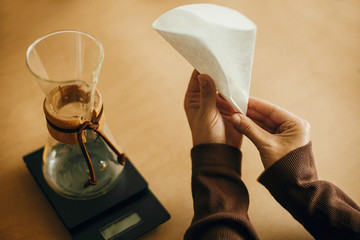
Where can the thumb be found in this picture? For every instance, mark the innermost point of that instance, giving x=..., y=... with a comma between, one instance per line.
x=250, y=129
x=207, y=92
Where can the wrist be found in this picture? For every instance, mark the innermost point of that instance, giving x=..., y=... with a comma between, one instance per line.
x=206, y=137
x=297, y=165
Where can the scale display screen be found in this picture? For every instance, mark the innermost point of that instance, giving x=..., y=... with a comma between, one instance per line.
x=120, y=225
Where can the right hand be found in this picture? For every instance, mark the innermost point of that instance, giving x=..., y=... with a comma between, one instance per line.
x=274, y=131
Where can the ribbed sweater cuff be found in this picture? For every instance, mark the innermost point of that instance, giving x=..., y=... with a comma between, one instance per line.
x=216, y=155
x=296, y=167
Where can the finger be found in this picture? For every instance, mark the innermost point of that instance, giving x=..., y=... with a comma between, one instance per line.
x=224, y=107
x=250, y=129
x=266, y=128
x=262, y=120
x=207, y=92
x=192, y=95
x=275, y=113
x=194, y=85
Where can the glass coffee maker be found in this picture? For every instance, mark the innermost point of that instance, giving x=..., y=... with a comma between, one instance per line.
x=81, y=159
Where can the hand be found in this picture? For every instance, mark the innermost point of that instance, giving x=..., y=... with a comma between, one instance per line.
x=209, y=114
x=274, y=131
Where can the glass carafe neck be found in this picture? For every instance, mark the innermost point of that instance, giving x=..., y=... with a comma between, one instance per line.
x=66, y=65
x=75, y=100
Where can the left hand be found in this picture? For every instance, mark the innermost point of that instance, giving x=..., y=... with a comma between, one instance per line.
x=209, y=114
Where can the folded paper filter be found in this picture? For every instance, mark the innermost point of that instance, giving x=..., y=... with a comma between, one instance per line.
x=217, y=41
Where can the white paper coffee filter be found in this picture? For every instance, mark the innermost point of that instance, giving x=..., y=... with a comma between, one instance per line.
x=217, y=41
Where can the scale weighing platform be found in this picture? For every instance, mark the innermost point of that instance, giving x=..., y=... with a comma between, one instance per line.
x=128, y=211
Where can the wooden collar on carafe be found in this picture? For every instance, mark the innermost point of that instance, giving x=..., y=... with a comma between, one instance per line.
x=72, y=131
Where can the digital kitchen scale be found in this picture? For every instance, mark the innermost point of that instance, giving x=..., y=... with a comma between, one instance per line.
x=128, y=211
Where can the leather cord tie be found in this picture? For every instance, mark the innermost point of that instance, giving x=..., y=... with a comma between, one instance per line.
x=91, y=125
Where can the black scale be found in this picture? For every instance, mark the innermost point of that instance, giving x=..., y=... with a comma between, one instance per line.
x=128, y=211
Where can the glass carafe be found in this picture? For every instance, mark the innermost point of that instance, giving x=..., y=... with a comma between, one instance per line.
x=81, y=159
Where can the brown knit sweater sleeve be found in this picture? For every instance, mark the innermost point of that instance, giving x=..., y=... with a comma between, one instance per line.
x=321, y=207
x=220, y=197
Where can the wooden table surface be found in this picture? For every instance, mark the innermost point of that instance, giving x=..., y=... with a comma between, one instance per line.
x=307, y=59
